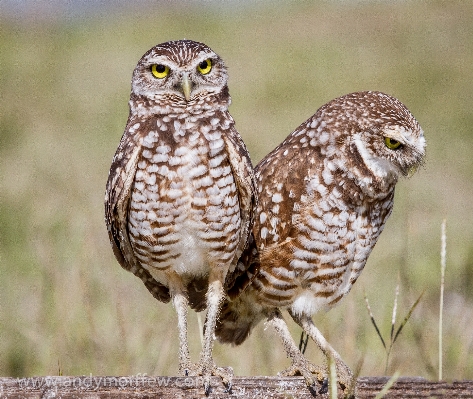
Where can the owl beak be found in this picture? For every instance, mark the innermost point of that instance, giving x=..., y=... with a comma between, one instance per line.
x=186, y=86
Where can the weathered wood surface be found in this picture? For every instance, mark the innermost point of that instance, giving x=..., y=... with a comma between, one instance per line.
x=140, y=386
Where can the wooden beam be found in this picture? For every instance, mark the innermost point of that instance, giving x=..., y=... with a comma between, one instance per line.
x=142, y=386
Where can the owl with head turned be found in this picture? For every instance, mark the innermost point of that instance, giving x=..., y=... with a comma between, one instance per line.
x=181, y=194
x=324, y=195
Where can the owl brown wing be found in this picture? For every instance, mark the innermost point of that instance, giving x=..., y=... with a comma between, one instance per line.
x=281, y=172
x=282, y=175
x=245, y=180
x=117, y=200
x=247, y=267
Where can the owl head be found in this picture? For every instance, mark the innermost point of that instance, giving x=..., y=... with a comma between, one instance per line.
x=381, y=140
x=180, y=74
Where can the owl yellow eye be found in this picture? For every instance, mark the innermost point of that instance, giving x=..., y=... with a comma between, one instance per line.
x=159, y=71
x=205, y=66
x=391, y=143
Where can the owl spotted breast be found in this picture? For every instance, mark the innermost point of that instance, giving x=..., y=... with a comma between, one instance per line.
x=324, y=196
x=181, y=191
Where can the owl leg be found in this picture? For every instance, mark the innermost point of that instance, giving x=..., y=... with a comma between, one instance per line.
x=300, y=365
x=215, y=295
x=344, y=374
x=180, y=304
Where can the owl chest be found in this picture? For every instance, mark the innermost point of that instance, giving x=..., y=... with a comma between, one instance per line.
x=183, y=197
x=336, y=234
x=332, y=246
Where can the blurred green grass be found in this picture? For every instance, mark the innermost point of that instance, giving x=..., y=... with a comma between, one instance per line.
x=65, y=304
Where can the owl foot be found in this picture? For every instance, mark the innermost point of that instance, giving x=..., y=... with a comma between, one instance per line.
x=314, y=374
x=225, y=373
x=345, y=376
x=311, y=373
x=207, y=371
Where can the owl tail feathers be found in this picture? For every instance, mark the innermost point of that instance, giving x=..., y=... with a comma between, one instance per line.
x=237, y=319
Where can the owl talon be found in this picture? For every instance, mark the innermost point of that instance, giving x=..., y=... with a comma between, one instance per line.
x=313, y=389
x=207, y=387
x=228, y=388
x=324, y=388
x=226, y=374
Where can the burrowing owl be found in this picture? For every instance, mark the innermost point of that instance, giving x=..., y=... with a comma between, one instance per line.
x=181, y=191
x=325, y=194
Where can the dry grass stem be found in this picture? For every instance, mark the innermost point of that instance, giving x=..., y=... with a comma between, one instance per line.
x=374, y=321
x=303, y=342
x=393, y=319
x=443, y=265
x=332, y=372
x=414, y=305
x=393, y=336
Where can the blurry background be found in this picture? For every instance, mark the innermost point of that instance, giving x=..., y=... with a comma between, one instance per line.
x=65, y=68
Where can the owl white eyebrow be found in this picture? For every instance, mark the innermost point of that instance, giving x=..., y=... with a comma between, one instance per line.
x=380, y=167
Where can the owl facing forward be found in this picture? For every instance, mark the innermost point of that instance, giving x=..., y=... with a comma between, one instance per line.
x=180, y=193
x=324, y=195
